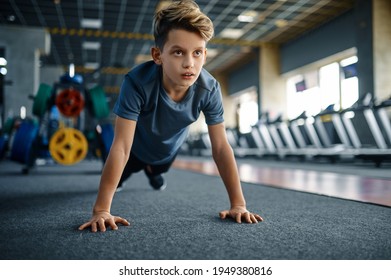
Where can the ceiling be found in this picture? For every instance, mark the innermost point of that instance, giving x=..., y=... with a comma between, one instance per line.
x=121, y=35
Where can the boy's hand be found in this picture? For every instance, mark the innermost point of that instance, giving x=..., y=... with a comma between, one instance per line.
x=238, y=213
x=101, y=219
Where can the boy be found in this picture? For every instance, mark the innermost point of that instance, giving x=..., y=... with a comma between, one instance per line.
x=158, y=101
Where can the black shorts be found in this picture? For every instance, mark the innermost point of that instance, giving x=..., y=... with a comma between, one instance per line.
x=135, y=165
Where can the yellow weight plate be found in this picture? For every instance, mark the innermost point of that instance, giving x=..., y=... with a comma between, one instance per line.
x=68, y=146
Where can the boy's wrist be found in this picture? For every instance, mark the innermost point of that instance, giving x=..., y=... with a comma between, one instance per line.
x=96, y=210
x=237, y=201
x=234, y=205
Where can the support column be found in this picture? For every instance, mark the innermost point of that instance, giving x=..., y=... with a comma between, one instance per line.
x=272, y=84
x=381, y=48
x=364, y=39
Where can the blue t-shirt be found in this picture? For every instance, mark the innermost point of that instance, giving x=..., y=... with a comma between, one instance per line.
x=162, y=124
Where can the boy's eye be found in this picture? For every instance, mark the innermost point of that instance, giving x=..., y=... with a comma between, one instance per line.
x=198, y=53
x=178, y=52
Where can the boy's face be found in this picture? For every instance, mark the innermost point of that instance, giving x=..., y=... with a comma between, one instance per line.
x=182, y=58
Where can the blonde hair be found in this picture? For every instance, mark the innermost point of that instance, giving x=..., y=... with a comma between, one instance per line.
x=185, y=15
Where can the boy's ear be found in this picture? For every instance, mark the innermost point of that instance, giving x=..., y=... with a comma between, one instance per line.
x=155, y=53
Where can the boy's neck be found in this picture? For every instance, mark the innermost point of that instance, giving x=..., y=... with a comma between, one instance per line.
x=178, y=94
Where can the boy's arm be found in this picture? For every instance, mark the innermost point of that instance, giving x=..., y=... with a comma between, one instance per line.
x=111, y=174
x=226, y=164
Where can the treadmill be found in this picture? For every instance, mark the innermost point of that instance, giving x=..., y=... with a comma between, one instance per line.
x=365, y=132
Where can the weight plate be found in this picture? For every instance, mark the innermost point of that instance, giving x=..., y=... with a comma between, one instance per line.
x=9, y=126
x=107, y=136
x=21, y=150
x=40, y=104
x=3, y=145
x=68, y=146
x=100, y=107
x=70, y=102
x=76, y=79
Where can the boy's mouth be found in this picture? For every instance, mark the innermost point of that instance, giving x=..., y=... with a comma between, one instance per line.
x=188, y=74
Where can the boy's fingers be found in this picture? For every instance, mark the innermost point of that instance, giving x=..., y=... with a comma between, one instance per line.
x=102, y=225
x=253, y=219
x=83, y=226
x=247, y=216
x=93, y=227
x=259, y=218
x=223, y=214
x=239, y=218
x=125, y=222
x=121, y=220
x=112, y=224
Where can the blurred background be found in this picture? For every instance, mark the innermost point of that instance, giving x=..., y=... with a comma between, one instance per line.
x=276, y=60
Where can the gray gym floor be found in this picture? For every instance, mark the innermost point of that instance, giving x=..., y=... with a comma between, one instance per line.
x=41, y=211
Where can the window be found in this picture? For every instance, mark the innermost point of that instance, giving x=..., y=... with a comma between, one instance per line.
x=313, y=91
x=246, y=109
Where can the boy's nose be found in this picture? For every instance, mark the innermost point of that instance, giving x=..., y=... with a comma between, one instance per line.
x=188, y=63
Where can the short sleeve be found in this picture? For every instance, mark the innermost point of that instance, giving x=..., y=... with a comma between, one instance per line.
x=131, y=99
x=213, y=109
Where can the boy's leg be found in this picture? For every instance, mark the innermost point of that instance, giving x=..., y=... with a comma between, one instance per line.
x=133, y=165
x=155, y=174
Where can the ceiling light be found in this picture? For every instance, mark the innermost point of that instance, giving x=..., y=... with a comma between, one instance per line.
x=281, y=23
x=231, y=33
x=248, y=16
x=94, y=23
x=3, y=61
x=91, y=65
x=243, y=18
x=71, y=70
x=88, y=45
x=212, y=53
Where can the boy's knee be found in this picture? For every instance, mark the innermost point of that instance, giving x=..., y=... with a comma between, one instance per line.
x=148, y=168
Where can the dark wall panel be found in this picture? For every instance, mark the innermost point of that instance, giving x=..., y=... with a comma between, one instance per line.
x=244, y=77
x=331, y=38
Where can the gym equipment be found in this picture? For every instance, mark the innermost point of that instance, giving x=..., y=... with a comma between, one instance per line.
x=365, y=131
x=250, y=143
x=23, y=140
x=238, y=144
x=289, y=146
x=105, y=135
x=67, y=79
x=6, y=132
x=68, y=146
x=352, y=133
x=100, y=108
x=65, y=112
x=335, y=143
x=70, y=102
x=381, y=110
x=360, y=120
x=9, y=126
x=199, y=144
x=282, y=138
x=3, y=144
x=41, y=99
x=262, y=127
x=327, y=135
